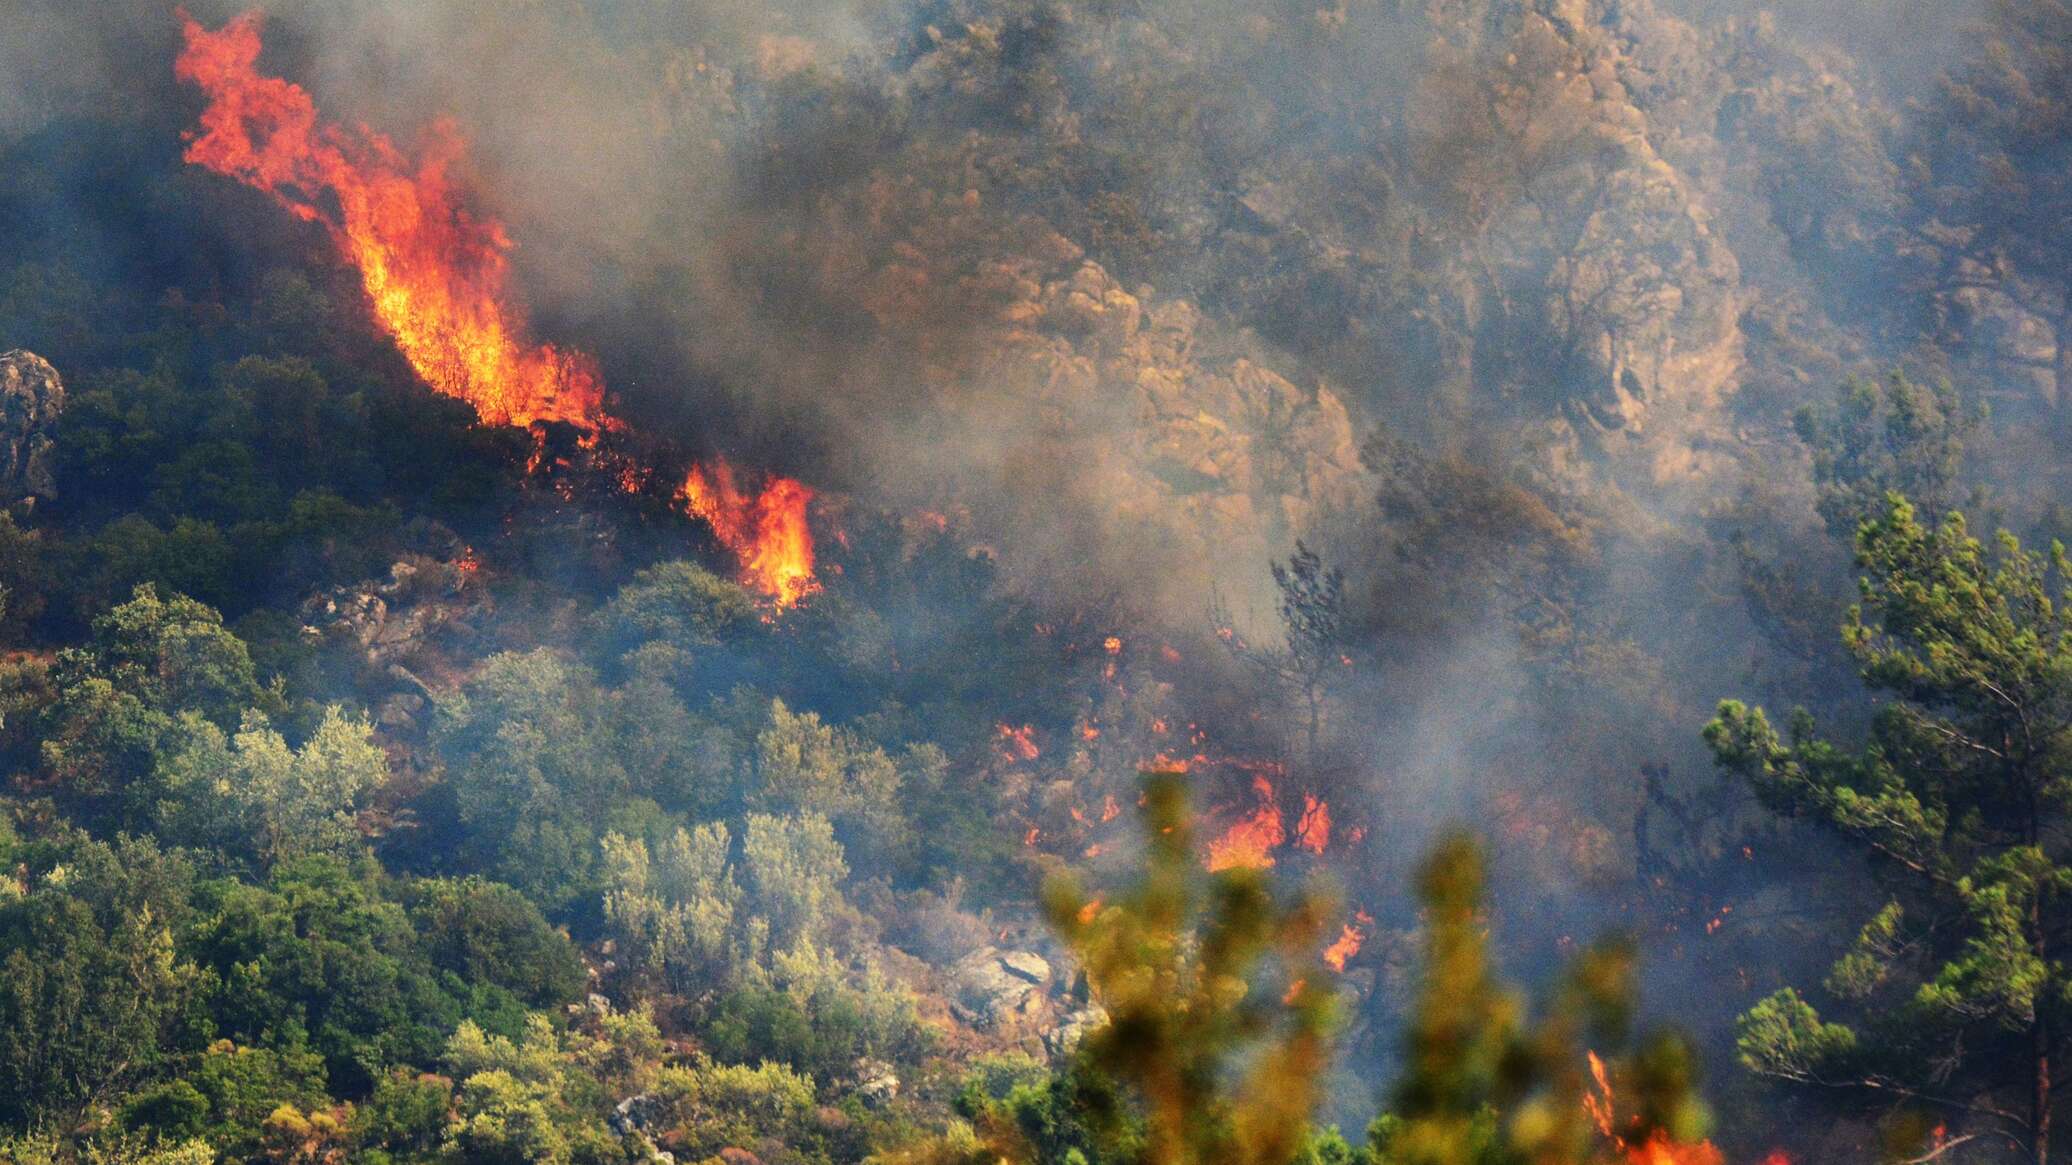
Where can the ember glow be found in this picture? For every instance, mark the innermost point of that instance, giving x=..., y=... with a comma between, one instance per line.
x=1018, y=743
x=1349, y=941
x=436, y=274
x=1250, y=841
x=1313, y=828
x=1249, y=844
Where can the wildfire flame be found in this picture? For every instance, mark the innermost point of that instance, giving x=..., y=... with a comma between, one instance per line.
x=1018, y=743
x=1349, y=941
x=435, y=274
x=768, y=531
x=1250, y=841
x=1249, y=844
x=1313, y=828
x=1658, y=1148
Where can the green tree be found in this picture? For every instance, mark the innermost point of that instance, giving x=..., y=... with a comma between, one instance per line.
x=1219, y=1008
x=678, y=603
x=532, y=771
x=256, y=792
x=226, y=1095
x=119, y=699
x=90, y=983
x=318, y=958
x=675, y=912
x=793, y=869
x=805, y=766
x=1894, y=435
x=486, y=932
x=1956, y=989
x=710, y=1106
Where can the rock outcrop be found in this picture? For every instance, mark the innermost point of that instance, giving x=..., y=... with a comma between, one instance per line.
x=396, y=627
x=1001, y=991
x=1126, y=427
x=31, y=397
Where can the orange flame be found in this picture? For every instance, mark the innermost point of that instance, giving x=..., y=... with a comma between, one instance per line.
x=1018, y=743
x=1349, y=942
x=434, y=272
x=768, y=531
x=1249, y=844
x=1659, y=1148
x=1313, y=828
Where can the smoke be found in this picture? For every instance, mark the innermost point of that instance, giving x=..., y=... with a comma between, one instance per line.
x=1119, y=288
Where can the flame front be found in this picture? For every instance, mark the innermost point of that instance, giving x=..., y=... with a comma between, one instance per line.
x=436, y=274
x=1349, y=941
x=1249, y=844
x=768, y=531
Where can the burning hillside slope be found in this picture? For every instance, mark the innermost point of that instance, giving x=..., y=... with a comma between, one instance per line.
x=436, y=278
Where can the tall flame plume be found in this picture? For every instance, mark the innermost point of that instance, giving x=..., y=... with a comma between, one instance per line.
x=768, y=531
x=436, y=277
x=434, y=272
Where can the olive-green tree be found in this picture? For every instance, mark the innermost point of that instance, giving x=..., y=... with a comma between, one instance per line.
x=1219, y=1008
x=1487, y=1083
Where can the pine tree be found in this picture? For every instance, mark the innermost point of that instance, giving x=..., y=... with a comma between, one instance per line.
x=1955, y=989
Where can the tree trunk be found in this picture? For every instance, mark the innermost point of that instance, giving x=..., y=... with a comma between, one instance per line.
x=2039, y=1119
x=2039, y=1103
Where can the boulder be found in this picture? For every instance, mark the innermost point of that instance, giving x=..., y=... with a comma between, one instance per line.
x=1026, y=965
x=1064, y=1039
x=31, y=397
x=877, y=1083
x=991, y=989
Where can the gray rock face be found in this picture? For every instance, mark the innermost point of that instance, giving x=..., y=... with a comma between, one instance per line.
x=31, y=397
x=1064, y=1039
x=877, y=1084
x=393, y=621
x=1026, y=965
x=992, y=989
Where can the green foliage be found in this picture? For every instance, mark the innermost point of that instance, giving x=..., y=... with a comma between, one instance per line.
x=759, y=932
x=803, y=765
x=227, y=1096
x=1784, y=1038
x=254, y=792
x=1958, y=798
x=1487, y=1084
x=710, y=1106
x=1890, y=436
x=117, y=700
x=1218, y=1008
x=524, y=1101
x=532, y=769
x=484, y=932
x=44, y=1149
x=675, y=913
x=318, y=959
x=91, y=986
x=679, y=604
